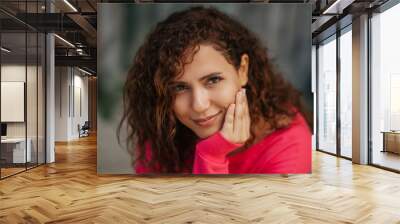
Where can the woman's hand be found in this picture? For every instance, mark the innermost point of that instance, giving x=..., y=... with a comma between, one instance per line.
x=236, y=127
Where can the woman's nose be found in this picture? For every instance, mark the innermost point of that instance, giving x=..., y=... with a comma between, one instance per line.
x=200, y=101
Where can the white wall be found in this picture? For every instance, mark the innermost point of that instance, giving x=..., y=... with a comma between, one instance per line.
x=13, y=72
x=33, y=126
x=80, y=110
x=61, y=103
x=16, y=73
x=71, y=94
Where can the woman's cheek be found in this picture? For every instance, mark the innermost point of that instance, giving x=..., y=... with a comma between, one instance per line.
x=179, y=106
x=227, y=96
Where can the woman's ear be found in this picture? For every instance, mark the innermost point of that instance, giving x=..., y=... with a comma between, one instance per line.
x=243, y=70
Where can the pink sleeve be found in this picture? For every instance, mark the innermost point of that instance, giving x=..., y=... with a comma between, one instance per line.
x=210, y=155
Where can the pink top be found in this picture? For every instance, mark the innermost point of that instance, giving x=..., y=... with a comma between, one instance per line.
x=285, y=151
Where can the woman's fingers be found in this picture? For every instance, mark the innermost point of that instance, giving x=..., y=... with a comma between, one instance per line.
x=236, y=127
x=227, y=129
x=237, y=124
x=242, y=117
x=246, y=116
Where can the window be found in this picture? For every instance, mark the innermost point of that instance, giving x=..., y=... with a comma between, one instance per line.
x=346, y=92
x=385, y=88
x=327, y=95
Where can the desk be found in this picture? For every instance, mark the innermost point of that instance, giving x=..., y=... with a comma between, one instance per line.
x=15, y=148
x=391, y=141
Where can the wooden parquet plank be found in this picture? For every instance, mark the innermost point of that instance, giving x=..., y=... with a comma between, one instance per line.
x=70, y=191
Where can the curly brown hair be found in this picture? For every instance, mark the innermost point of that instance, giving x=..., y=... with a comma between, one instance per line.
x=148, y=97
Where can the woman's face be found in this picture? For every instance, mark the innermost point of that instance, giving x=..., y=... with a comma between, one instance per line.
x=205, y=90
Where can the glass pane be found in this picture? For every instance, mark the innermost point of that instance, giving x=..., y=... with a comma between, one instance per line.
x=385, y=86
x=327, y=96
x=41, y=98
x=31, y=97
x=32, y=7
x=14, y=153
x=346, y=94
x=314, y=91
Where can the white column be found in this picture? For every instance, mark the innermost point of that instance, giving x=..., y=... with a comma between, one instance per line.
x=50, y=93
x=360, y=90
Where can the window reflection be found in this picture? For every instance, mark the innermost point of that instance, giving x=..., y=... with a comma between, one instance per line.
x=346, y=94
x=385, y=88
x=327, y=96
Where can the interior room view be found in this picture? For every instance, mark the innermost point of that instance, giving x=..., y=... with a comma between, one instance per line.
x=59, y=105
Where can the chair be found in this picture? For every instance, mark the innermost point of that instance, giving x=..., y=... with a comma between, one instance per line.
x=84, y=130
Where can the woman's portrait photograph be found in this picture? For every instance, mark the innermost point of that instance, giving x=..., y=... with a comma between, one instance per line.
x=204, y=89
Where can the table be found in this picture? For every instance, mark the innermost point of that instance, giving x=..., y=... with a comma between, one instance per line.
x=391, y=141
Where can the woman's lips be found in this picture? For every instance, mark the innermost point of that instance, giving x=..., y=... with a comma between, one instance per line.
x=207, y=121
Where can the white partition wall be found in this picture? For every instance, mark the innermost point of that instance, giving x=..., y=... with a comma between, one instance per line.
x=22, y=77
x=71, y=102
x=14, y=69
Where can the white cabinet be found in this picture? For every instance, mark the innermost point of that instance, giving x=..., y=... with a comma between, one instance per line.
x=17, y=147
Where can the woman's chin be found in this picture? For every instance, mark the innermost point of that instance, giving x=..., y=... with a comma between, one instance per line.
x=206, y=133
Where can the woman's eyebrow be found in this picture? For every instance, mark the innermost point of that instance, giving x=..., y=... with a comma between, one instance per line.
x=200, y=79
x=209, y=75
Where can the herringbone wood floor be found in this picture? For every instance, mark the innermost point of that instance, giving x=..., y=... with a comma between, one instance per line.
x=70, y=191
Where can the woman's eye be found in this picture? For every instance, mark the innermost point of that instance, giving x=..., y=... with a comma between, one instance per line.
x=214, y=80
x=179, y=88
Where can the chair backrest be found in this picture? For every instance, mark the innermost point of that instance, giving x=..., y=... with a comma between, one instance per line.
x=86, y=125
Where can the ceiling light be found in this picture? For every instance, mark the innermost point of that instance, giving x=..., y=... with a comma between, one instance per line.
x=86, y=72
x=337, y=7
x=65, y=41
x=70, y=5
x=5, y=49
x=329, y=9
